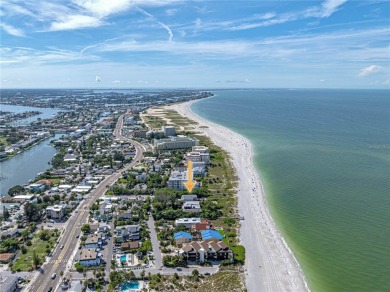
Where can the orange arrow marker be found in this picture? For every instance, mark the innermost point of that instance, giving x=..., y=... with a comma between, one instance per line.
x=189, y=184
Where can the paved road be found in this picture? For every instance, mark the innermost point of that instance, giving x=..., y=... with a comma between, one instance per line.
x=60, y=258
x=155, y=244
x=109, y=247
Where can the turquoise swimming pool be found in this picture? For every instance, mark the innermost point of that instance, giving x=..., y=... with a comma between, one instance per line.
x=123, y=258
x=128, y=286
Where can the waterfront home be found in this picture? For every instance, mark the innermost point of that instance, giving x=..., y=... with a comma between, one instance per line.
x=191, y=206
x=200, y=149
x=198, y=157
x=36, y=187
x=204, y=225
x=187, y=222
x=25, y=197
x=56, y=211
x=206, y=251
x=182, y=237
x=211, y=234
x=89, y=257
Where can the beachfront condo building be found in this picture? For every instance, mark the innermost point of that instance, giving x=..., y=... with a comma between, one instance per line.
x=176, y=180
x=168, y=130
x=198, y=157
x=200, y=149
x=175, y=143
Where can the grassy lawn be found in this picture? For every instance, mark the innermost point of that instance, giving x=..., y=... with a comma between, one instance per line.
x=3, y=140
x=55, y=180
x=25, y=262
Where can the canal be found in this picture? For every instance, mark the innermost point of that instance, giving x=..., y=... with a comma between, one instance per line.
x=23, y=167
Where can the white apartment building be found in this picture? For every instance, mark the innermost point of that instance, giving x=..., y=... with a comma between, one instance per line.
x=176, y=180
x=168, y=130
x=56, y=211
x=200, y=149
x=187, y=222
x=198, y=157
x=175, y=143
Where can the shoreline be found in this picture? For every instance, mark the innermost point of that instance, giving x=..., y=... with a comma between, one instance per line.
x=270, y=264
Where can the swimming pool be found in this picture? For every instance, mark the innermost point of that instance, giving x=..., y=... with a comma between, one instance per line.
x=123, y=258
x=128, y=286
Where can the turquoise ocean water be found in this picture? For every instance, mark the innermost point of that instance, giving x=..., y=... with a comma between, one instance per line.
x=324, y=158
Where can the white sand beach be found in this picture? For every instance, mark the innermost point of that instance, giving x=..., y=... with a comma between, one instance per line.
x=269, y=265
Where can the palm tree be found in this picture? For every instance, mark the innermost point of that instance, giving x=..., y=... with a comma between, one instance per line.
x=35, y=259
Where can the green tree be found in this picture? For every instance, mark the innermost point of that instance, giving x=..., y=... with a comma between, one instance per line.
x=142, y=275
x=18, y=189
x=6, y=214
x=44, y=235
x=31, y=212
x=195, y=275
x=86, y=228
x=35, y=260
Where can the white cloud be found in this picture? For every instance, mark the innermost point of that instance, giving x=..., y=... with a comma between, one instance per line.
x=103, y=8
x=76, y=22
x=116, y=81
x=171, y=12
x=370, y=70
x=22, y=56
x=246, y=80
x=154, y=19
x=98, y=79
x=12, y=30
x=331, y=6
x=326, y=9
x=74, y=14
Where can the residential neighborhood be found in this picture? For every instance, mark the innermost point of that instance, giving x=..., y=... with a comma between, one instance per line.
x=110, y=205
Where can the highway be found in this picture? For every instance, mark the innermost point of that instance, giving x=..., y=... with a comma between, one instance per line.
x=60, y=257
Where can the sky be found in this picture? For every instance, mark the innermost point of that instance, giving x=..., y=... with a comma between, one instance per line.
x=194, y=44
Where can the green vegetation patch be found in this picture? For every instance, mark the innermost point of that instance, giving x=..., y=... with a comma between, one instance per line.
x=42, y=244
x=221, y=281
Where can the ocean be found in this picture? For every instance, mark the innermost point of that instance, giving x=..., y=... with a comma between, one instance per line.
x=324, y=160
